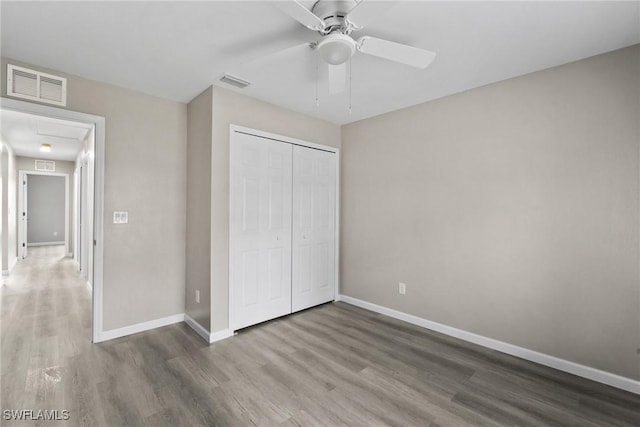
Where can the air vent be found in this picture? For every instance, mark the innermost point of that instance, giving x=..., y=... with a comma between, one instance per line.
x=36, y=86
x=45, y=165
x=234, y=81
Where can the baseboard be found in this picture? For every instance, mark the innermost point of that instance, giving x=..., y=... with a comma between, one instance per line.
x=594, y=374
x=220, y=335
x=209, y=337
x=200, y=330
x=141, y=327
x=45, y=244
x=70, y=254
x=89, y=287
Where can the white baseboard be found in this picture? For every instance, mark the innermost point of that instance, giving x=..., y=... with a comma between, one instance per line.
x=209, y=337
x=588, y=372
x=45, y=244
x=141, y=327
x=70, y=254
x=220, y=335
x=196, y=327
x=89, y=287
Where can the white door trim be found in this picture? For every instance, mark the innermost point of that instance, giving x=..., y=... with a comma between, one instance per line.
x=256, y=132
x=21, y=175
x=262, y=134
x=98, y=213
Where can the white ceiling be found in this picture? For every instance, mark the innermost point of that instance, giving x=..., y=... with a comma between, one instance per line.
x=177, y=49
x=25, y=133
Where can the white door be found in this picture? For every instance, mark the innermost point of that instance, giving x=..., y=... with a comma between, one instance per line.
x=76, y=215
x=24, y=216
x=84, y=243
x=260, y=230
x=314, y=232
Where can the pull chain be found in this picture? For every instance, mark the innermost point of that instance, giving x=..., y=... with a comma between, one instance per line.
x=317, y=78
x=349, y=86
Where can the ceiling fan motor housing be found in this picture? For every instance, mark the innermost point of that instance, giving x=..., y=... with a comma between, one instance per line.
x=333, y=13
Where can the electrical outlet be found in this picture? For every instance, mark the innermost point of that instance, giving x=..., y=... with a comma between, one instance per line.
x=197, y=296
x=402, y=288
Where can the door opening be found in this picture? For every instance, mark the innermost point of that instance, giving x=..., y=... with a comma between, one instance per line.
x=43, y=210
x=84, y=199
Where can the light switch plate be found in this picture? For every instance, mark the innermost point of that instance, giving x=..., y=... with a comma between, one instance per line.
x=120, y=217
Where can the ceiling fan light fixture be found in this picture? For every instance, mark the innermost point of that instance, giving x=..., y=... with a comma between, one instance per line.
x=336, y=49
x=46, y=148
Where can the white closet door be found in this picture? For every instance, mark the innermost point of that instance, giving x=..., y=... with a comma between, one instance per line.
x=260, y=230
x=314, y=207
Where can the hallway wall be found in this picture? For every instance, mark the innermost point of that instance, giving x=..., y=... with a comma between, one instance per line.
x=62, y=166
x=45, y=209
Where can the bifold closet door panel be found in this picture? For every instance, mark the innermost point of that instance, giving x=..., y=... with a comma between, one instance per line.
x=260, y=230
x=314, y=227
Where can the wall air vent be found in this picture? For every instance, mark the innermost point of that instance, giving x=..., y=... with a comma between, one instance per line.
x=45, y=165
x=36, y=86
x=234, y=81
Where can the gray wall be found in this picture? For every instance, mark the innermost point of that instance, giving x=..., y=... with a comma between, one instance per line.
x=62, y=166
x=198, y=254
x=233, y=108
x=45, y=209
x=145, y=174
x=510, y=211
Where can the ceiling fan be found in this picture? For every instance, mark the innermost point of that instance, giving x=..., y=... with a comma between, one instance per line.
x=335, y=21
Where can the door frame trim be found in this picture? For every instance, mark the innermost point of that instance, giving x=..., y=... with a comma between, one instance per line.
x=233, y=129
x=98, y=210
x=67, y=232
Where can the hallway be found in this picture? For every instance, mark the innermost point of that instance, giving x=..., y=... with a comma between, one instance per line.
x=46, y=325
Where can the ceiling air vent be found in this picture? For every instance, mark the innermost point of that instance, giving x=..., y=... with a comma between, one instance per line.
x=234, y=81
x=46, y=165
x=36, y=86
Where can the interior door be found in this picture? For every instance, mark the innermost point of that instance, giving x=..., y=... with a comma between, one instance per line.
x=260, y=230
x=314, y=232
x=24, y=217
x=81, y=203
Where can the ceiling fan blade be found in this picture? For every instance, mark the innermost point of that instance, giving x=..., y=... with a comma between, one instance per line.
x=366, y=12
x=281, y=55
x=397, y=52
x=337, y=78
x=301, y=14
